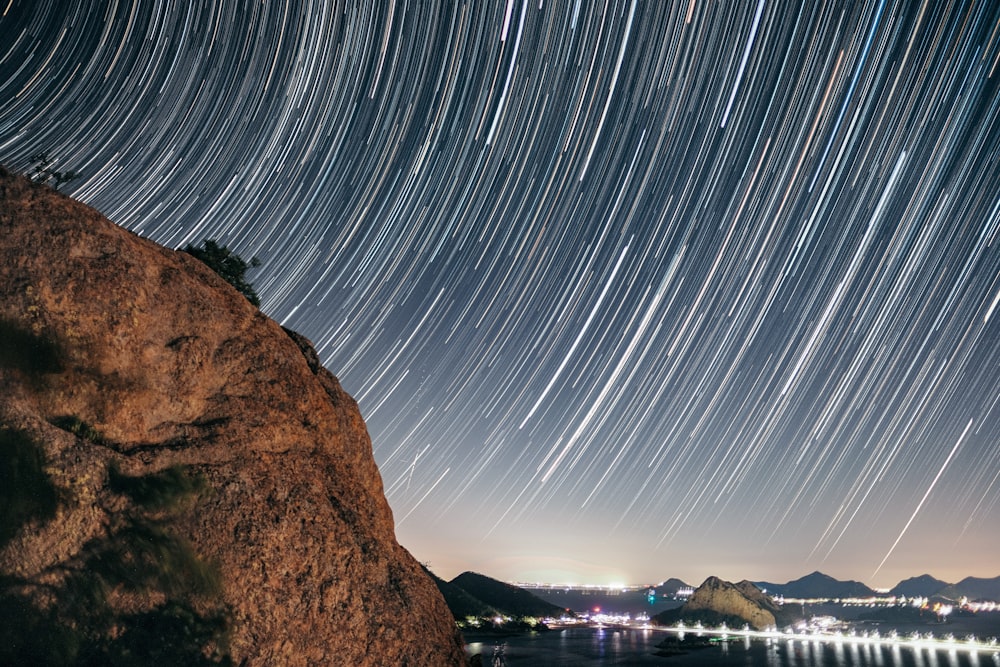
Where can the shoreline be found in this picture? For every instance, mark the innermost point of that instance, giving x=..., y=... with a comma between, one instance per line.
x=594, y=646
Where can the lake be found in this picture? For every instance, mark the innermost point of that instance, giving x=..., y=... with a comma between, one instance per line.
x=593, y=647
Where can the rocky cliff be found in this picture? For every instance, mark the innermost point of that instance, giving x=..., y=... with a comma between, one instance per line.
x=129, y=372
x=717, y=601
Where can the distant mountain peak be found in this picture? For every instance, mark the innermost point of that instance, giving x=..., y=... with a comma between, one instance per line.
x=818, y=585
x=974, y=588
x=923, y=585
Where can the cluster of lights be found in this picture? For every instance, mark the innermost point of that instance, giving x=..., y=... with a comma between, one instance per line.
x=598, y=588
x=604, y=618
x=890, y=601
x=499, y=620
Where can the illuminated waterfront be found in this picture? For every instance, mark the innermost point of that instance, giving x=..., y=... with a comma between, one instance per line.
x=596, y=645
x=613, y=626
x=927, y=641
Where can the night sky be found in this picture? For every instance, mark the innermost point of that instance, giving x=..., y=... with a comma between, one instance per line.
x=625, y=290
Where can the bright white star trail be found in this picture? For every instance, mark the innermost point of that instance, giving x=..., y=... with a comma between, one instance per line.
x=625, y=290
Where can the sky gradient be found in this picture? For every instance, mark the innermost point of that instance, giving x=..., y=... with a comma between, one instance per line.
x=625, y=290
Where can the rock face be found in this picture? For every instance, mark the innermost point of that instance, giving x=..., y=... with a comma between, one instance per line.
x=120, y=355
x=743, y=600
x=717, y=601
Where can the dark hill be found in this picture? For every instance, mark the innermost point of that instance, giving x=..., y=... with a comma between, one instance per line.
x=923, y=586
x=974, y=588
x=507, y=599
x=671, y=586
x=818, y=586
x=460, y=602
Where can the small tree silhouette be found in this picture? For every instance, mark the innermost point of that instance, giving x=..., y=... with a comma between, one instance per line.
x=43, y=172
x=227, y=264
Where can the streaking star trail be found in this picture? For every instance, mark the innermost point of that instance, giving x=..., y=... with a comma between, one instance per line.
x=625, y=290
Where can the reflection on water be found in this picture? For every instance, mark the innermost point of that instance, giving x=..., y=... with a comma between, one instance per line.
x=593, y=647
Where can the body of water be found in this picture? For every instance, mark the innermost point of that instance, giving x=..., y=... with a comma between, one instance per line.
x=594, y=647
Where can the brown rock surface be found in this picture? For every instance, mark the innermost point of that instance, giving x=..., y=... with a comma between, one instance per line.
x=743, y=600
x=174, y=367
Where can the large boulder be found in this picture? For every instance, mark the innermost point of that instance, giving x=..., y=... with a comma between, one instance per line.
x=717, y=601
x=123, y=361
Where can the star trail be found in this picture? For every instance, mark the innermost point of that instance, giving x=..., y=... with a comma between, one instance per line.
x=625, y=290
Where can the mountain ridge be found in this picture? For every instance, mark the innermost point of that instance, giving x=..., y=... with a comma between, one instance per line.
x=818, y=585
